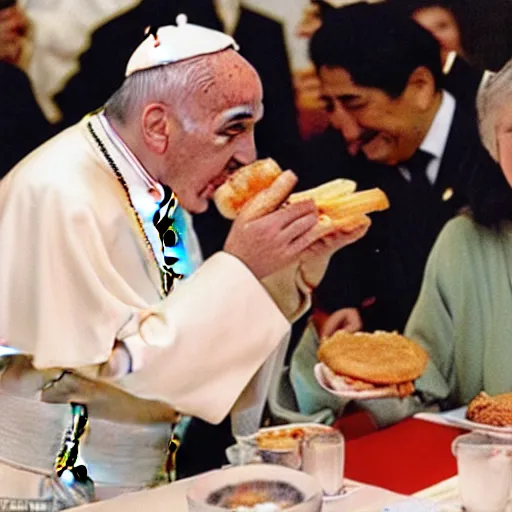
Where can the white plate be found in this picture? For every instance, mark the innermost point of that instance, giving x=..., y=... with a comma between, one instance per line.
x=458, y=417
x=350, y=393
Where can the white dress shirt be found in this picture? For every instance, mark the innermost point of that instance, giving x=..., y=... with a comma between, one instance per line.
x=436, y=138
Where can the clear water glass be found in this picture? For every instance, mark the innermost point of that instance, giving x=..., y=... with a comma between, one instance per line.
x=323, y=457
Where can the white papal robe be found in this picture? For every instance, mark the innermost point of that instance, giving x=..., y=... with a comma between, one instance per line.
x=75, y=275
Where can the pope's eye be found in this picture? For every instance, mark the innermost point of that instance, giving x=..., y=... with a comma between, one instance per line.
x=234, y=129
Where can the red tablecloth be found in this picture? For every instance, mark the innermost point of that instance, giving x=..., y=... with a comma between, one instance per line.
x=404, y=458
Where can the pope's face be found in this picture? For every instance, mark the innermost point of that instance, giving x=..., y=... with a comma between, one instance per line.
x=385, y=129
x=215, y=135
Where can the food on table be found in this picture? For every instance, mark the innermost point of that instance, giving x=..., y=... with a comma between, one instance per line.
x=338, y=204
x=256, y=496
x=492, y=410
x=365, y=361
x=286, y=438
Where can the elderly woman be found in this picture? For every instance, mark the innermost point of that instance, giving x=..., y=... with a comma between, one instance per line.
x=462, y=316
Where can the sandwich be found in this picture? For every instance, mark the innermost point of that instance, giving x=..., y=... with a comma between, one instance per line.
x=338, y=203
x=491, y=410
x=384, y=363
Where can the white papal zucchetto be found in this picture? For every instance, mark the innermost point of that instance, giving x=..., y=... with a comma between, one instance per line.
x=176, y=43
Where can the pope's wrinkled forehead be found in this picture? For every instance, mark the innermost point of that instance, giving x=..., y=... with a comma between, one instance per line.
x=229, y=82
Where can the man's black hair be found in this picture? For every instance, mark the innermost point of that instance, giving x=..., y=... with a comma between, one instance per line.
x=377, y=44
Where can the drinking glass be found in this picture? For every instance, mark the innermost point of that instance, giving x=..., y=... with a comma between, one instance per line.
x=323, y=457
x=484, y=466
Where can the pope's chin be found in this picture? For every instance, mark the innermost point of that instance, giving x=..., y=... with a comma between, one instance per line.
x=201, y=202
x=192, y=202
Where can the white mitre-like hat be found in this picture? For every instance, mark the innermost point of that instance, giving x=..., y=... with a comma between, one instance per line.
x=175, y=43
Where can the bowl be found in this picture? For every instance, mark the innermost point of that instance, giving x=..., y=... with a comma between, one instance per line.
x=204, y=494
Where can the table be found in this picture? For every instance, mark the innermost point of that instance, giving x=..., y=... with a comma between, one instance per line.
x=172, y=498
x=405, y=458
x=396, y=461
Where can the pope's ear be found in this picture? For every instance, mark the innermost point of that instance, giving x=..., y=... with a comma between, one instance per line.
x=156, y=128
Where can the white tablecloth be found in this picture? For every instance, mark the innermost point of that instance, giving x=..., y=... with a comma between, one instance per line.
x=172, y=497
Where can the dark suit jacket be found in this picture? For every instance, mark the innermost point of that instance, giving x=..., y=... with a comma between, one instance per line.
x=382, y=273
x=463, y=81
x=23, y=126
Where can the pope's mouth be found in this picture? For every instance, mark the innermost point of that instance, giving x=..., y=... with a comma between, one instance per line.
x=224, y=176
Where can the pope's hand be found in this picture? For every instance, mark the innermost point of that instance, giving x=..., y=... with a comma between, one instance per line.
x=266, y=237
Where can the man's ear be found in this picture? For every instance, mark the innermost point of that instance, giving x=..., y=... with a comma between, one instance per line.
x=156, y=128
x=421, y=87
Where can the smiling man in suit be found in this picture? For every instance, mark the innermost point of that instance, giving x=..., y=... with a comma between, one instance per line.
x=393, y=126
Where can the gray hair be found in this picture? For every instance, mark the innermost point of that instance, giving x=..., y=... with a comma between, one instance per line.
x=495, y=92
x=168, y=84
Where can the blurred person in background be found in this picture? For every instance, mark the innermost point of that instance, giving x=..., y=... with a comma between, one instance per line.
x=23, y=125
x=52, y=35
x=440, y=19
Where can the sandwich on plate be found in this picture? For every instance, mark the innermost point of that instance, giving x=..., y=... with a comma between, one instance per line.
x=371, y=365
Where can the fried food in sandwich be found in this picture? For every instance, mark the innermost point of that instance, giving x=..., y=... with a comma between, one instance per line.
x=381, y=361
x=491, y=410
x=337, y=202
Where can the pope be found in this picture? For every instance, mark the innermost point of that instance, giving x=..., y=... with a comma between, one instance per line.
x=93, y=309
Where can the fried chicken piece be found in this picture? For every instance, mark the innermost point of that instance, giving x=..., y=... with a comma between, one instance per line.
x=491, y=410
